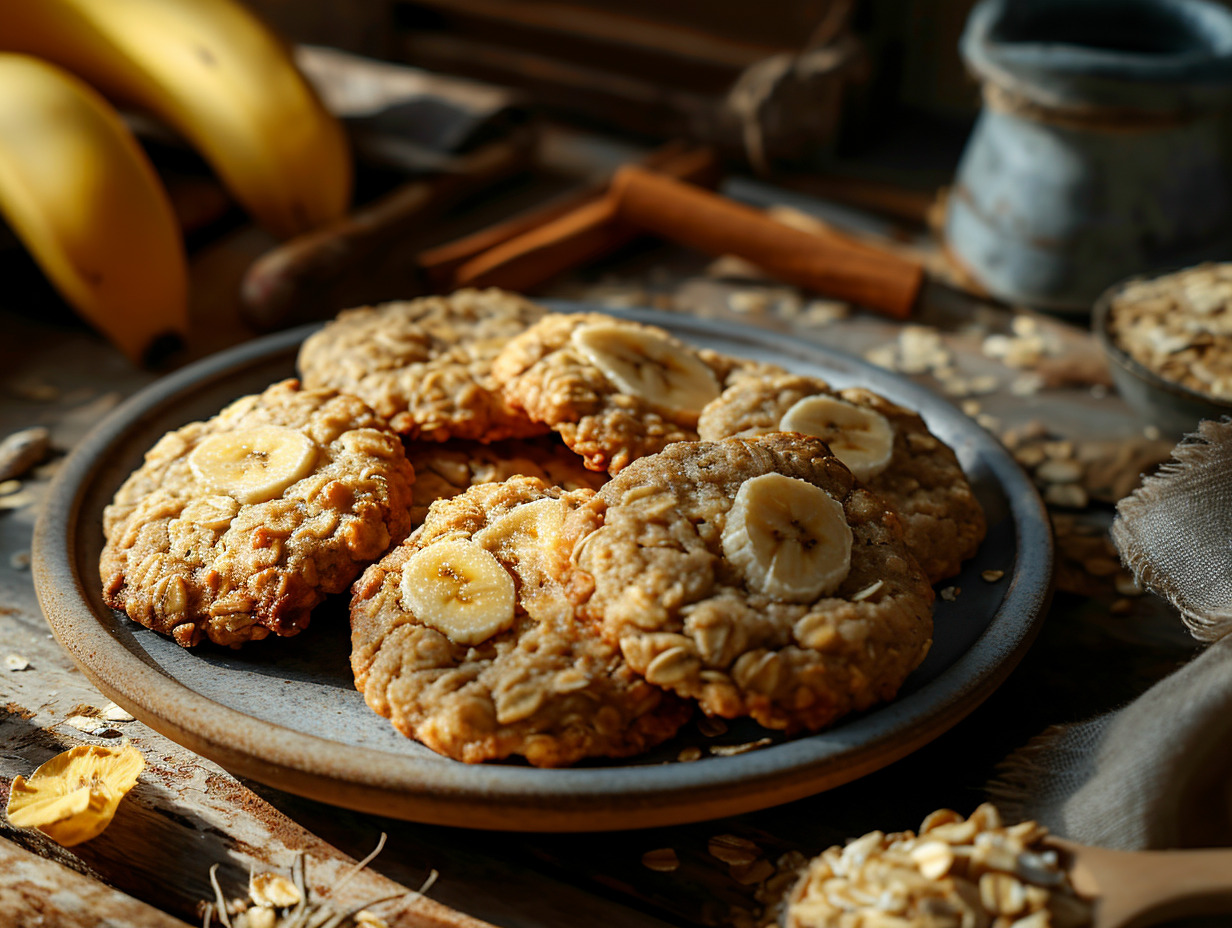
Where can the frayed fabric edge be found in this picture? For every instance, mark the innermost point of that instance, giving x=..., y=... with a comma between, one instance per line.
x=1198, y=449
x=1019, y=777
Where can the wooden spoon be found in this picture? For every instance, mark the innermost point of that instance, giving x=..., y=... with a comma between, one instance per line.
x=1134, y=888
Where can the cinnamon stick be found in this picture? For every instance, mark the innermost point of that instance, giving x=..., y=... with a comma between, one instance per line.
x=439, y=264
x=577, y=236
x=829, y=264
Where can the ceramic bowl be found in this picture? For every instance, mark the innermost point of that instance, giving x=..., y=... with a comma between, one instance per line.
x=1175, y=410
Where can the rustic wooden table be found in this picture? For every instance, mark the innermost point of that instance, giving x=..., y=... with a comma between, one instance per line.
x=1083, y=445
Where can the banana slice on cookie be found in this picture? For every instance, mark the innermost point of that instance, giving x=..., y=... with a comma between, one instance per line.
x=644, y=363
x=789, y=537
x=860, y=437
x=479, y=652
x=253, y=465
x=460, y=589
x=527, y=525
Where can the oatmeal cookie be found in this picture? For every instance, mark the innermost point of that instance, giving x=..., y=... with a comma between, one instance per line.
x=442, y=471
x=756, y=576
x=425, y=364
x=466, y=638
x=888, y=447
x=236, y=527
x=614, y=390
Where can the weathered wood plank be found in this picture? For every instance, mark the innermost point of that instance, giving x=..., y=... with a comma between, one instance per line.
x=34, y=890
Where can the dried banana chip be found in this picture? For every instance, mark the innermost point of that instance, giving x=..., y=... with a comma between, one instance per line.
x=73, y=797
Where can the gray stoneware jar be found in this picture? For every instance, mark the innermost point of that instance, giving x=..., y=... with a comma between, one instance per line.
x=1102, y=147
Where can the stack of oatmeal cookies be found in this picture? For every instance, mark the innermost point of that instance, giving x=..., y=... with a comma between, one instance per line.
x=607, y=528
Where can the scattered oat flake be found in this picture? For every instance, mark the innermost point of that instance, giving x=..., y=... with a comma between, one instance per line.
x=971, y=408
x=954, y=385
x=992, y=576
x=73, y=797
x=689, y=754
x=824, y=312
x=366, y=919
x=884, y=356
x=273, y=890
x=753, y=302
x=9, y=486
x=950, y=593
x=1059, y=470
x=920, y=350
x=1026, y=384
x=256, y=917
x=16, y=500
x=1127, y=586
x=711, y=727
x=113, y=713
x=91, y=726
x=1030, y=456
x=733, y=850
x=867, y=591
x=1060, y=449
x=662, y=860
x=730, y=750
x=16, y=662
x=987, y=422
x=755, y=872
x=1066, y=495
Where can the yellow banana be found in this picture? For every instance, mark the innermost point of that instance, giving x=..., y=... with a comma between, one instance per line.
x=81, y=195
x=216, y=74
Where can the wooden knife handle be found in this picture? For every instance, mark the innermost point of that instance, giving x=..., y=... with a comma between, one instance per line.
x=286, y=283
x=829, y=264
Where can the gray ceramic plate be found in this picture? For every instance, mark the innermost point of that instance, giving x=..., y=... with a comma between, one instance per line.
x=286, y=712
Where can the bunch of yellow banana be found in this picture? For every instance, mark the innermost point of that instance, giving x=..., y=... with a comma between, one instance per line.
x=80, y=193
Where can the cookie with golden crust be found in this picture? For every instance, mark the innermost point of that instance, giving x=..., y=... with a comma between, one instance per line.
x=466, y=638
x=425, y=364
x=887, y=446
x=756, y=576
x=614, y=390
x=235, y=528
x=443, y=470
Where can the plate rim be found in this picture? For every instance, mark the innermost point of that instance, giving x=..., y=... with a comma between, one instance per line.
x=505, y=797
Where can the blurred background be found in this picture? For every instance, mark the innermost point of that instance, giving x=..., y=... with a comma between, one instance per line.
x=650, y=67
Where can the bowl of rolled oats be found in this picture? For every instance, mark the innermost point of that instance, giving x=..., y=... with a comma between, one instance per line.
x=1168, y=342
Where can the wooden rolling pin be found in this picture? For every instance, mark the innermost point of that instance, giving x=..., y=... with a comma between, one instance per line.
x=831, y=264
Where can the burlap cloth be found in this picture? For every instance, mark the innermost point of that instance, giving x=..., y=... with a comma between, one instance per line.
x=1158, y=772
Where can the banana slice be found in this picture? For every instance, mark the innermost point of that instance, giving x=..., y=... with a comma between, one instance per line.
x=531, y=525
x=643, y=363
x=861, y=438
x=460, y=589
x=253, y=465
x=790, y=538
